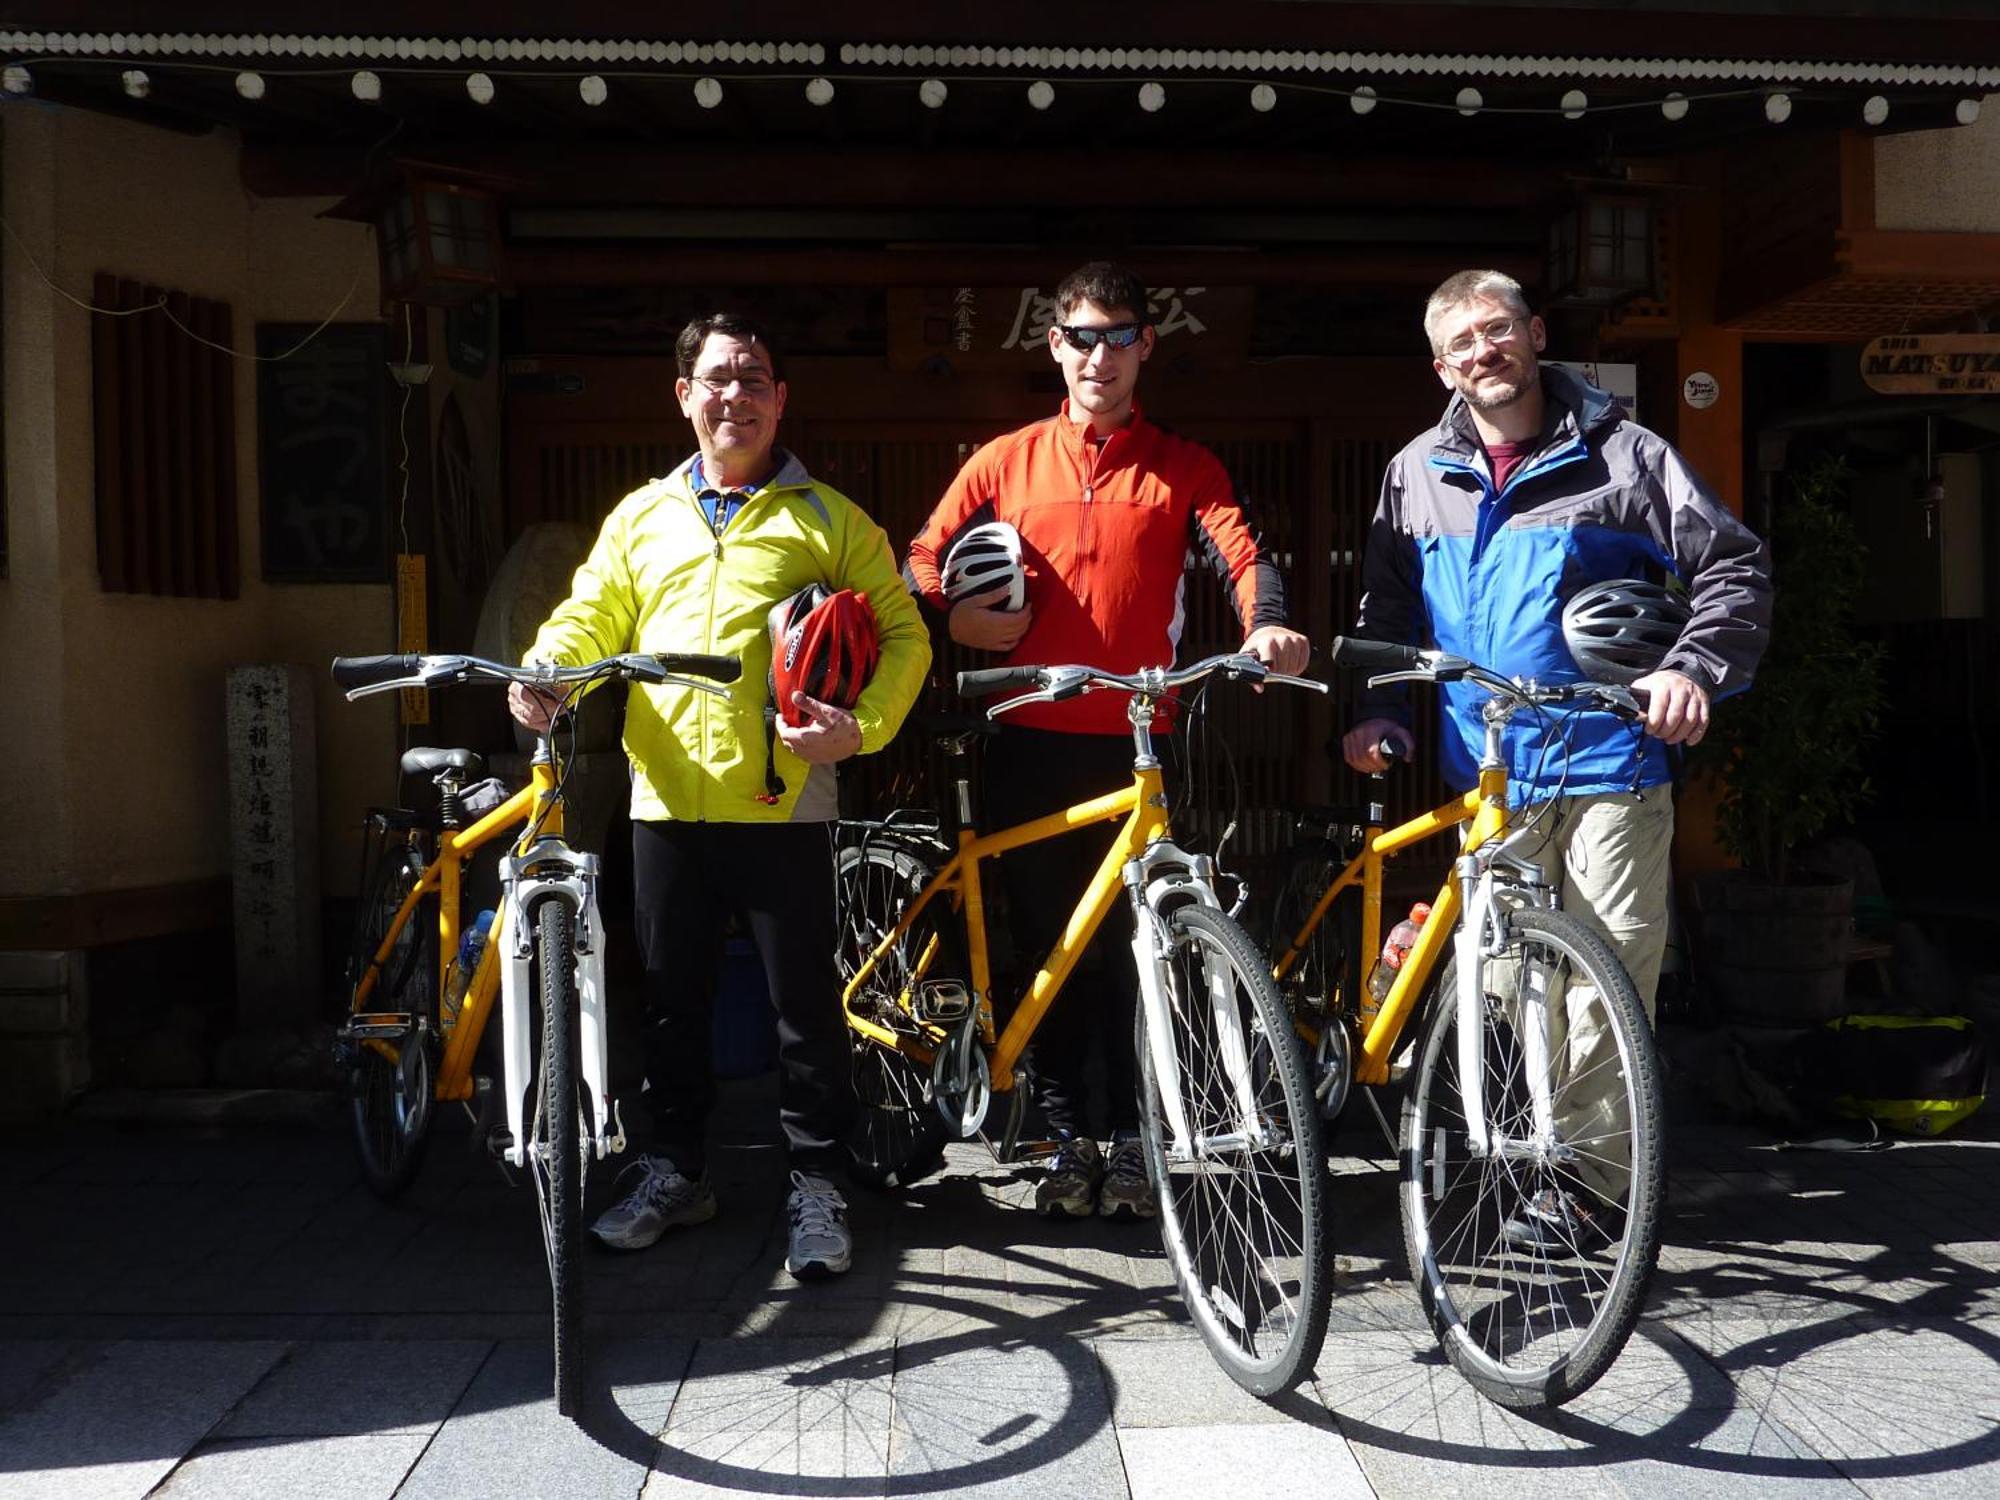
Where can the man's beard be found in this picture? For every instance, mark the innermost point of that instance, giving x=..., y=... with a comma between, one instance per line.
x=1494, y=398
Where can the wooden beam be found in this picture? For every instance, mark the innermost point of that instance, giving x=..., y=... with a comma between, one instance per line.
x=946, y=265
x=91, y=919
x=1888, y=30
x=774, y=177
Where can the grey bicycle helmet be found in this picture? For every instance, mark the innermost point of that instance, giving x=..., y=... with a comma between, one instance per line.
x=986, y=557
x=1623, y=628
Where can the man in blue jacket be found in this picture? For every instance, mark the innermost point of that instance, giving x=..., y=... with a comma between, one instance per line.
x=1531, y=487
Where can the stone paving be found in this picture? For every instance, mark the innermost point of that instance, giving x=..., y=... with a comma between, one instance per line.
x=227, y=1312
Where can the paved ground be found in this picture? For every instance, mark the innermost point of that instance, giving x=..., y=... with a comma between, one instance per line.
x=199, y=1313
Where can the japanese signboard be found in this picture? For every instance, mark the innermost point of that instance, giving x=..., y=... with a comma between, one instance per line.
x=1007, y=328
x=320, y=453
x=274, y=842
x=1933, y=364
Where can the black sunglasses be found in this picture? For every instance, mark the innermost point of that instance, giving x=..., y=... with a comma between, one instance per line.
x=1118, y=336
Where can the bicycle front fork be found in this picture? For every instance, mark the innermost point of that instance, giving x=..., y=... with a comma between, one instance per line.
x=1482, y=938
x=554, y=872
x=1160, y=879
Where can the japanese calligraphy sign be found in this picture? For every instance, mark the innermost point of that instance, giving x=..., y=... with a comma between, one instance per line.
x=273, y=843
x=322, y=480
x=1933, y=364
x=1007, y=328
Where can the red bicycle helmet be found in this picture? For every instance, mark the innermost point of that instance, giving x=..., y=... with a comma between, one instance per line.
x=823, y=645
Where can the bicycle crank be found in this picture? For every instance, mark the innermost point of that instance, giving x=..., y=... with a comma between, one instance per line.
x=961, y=1086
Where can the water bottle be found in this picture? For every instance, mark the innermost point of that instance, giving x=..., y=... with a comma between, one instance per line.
x=1402, y=938
x=471, y=943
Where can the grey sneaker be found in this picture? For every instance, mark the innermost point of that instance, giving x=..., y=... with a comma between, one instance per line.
x=1070, y=1188
x=660, y=1199
x=1127, y=1192
x=820, y=1243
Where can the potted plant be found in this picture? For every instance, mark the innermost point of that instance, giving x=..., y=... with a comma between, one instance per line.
x=1789, y=758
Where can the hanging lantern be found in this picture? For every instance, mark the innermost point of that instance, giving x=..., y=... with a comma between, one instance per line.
x=437, y=233
x=1601, y=249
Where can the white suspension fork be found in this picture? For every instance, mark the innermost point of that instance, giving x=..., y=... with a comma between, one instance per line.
x=1150, y=947
x=573, y=881
x=1480, y=938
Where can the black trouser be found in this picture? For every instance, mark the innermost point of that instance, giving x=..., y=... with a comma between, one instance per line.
x=686, y=878
x=1030, y=772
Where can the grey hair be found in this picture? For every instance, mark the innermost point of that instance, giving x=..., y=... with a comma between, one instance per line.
x=1462, y=288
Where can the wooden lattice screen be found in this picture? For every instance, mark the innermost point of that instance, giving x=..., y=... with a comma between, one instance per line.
x=1310, y=490
x=165, y=419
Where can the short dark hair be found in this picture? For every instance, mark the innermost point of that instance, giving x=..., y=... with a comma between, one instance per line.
x=1108, y=284
x=687, y=348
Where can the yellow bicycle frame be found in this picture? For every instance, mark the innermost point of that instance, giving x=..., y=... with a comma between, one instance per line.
x=535, y=807
x=1486, y=808
x=1143, y=805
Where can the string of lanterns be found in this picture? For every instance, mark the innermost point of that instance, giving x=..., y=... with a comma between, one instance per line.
x=593, y=89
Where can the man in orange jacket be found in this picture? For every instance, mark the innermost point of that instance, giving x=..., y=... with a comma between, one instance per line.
x=1108, y=506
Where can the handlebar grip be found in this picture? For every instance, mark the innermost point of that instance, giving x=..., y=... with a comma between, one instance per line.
x=365, y=671
x=985, y=681
x=714, y=668
x=1373, y=656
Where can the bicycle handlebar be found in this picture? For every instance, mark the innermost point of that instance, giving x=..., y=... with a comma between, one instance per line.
x=1393, y=663
x=359, y=676
x=1053, y=684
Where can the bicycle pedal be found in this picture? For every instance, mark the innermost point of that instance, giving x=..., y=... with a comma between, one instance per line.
x=383, y=1024
x=942, y=1001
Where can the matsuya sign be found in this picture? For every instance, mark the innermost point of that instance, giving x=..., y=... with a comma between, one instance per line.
x=1933, y=364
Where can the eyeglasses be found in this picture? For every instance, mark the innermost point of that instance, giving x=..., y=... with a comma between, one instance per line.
x=756, y=387
x=1499, y=331
x=1117, y=335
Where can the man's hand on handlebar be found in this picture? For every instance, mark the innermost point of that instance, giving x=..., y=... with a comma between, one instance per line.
x=976, y=623
x=1361, y=746
x=1283, y=651
x=1676, y=707
x=533, y=708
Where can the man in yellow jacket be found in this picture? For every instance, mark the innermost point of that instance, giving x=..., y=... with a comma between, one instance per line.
x=694, y=562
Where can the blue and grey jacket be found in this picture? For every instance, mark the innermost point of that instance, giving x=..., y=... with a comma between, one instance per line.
x=1453, y=563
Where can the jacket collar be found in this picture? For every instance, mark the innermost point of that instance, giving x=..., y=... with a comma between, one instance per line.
x=1076, y=433
x=791, y=473
x=1574, y=408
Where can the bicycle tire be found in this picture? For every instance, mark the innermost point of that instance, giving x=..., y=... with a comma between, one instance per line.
x=898, y=1136
x=555, y=1145
x=1322, y=987
x=1531, y=1327
x=1246, y=1231
x=391, y=1103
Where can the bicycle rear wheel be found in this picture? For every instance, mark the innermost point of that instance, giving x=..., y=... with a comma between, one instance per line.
x=1242, y=1210
x=898, y=1136
x=391, y=1079
x=1532, y=1258
x=1321, y=987
x=555, y=1152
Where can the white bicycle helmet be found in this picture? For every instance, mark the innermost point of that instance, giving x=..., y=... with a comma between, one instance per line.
x=985, y=558
x=1621, y=629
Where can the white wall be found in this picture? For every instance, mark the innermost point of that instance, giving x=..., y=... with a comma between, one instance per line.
x=120, y=696
x=1941, y=179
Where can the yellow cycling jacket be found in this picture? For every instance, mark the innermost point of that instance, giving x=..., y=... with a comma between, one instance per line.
x=659, y=579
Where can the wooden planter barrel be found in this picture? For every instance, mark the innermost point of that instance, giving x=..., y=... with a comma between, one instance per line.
x=1777, y=954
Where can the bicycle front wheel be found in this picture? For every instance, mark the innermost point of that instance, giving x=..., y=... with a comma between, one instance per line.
x=1531, y=1253
x=1232, y=1143
x=899, y=1135
x=555, y=1154
x=391, y=1079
